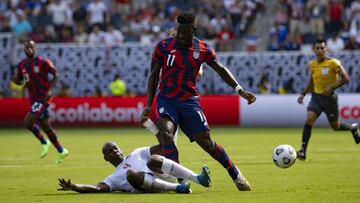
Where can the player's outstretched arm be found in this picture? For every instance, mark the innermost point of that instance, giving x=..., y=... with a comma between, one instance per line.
x=229, y=78
x=152, y=85
x=68, y=185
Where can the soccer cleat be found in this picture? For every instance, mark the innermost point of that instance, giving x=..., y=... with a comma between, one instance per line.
x=204, y=177
x=301, y=155
x=183, y=188
x=44, y=148
x=355, y=132
x=241, y=183
x=62, y=156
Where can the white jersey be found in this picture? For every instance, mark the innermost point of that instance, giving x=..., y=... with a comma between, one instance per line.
x=136, y=160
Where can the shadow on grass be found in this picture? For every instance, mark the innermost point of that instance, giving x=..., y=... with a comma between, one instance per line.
x=115, y=193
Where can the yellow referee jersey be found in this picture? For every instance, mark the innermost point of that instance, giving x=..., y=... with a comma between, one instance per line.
x=324, y=73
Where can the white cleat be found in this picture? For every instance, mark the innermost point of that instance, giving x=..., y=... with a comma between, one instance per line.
x=241, y=183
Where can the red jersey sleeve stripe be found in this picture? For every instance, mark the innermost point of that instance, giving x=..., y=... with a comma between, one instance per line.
x=157, y=55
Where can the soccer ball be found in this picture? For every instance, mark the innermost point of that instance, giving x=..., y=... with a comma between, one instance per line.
x=284, y=156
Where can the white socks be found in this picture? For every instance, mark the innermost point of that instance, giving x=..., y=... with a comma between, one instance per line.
x=155, y=184
x=174, y=169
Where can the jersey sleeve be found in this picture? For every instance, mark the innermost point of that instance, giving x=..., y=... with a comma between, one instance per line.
x=143, y=153
x=48, y=66
x=110, y=181
x=310, y=67
x=337, y=65
x=157, y=55
x=210, y=57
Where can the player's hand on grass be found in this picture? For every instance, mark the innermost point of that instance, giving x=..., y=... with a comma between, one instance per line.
x=65, y=185
x=145, y=114
x=249, y=96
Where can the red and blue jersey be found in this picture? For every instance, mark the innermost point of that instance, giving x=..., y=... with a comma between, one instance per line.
x=35, y=75
x=180, y=67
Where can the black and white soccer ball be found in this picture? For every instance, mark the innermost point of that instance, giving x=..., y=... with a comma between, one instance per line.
x=284, y=156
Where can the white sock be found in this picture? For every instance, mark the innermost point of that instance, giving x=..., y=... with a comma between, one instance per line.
x=162, y=185
x=174, y=169
x=152, y=184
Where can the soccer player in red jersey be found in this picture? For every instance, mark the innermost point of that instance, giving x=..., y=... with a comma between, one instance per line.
x=179, y=59
x=33, y=71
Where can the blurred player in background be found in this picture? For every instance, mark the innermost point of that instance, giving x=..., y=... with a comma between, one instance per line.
x=33, y=72
x=142, y=170
x=323, y=82
x=179, y=59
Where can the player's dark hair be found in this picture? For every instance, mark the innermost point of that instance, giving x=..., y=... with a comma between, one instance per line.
x=28, y=41
x=319, y=40
x=186, y=18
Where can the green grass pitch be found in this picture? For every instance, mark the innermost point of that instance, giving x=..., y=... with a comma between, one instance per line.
x=331, y=173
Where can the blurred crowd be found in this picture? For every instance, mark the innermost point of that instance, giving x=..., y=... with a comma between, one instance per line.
x=117, y=21
x=300, y=21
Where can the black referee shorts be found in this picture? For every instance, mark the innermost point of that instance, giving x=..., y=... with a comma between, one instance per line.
x=328, y=104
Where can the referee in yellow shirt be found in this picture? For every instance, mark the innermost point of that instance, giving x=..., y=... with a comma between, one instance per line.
x=323, y=82
x=118, y=87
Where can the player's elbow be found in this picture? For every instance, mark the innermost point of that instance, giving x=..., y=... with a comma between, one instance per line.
x=346, y=80
x=56, y=75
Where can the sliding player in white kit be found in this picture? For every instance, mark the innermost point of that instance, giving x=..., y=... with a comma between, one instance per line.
x=143, y=170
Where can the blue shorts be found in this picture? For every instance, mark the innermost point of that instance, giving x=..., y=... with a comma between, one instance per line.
x=40, y=110
x=187, y=114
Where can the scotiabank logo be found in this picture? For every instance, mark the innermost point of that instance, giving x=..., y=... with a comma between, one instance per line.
x=350, y=112
x=103, y=114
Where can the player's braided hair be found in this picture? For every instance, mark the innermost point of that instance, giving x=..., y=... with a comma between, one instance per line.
x=186, y=18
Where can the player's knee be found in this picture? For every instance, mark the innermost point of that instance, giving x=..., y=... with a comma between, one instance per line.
x=130, y=175
x=47, y=129
x=45, y=125
x=135, y=179
x=207, y=145
x=310, y=121
x=29, y=125
x=155, y=163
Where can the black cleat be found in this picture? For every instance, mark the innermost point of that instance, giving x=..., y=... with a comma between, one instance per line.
x=301, y=155
x=355, y=132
